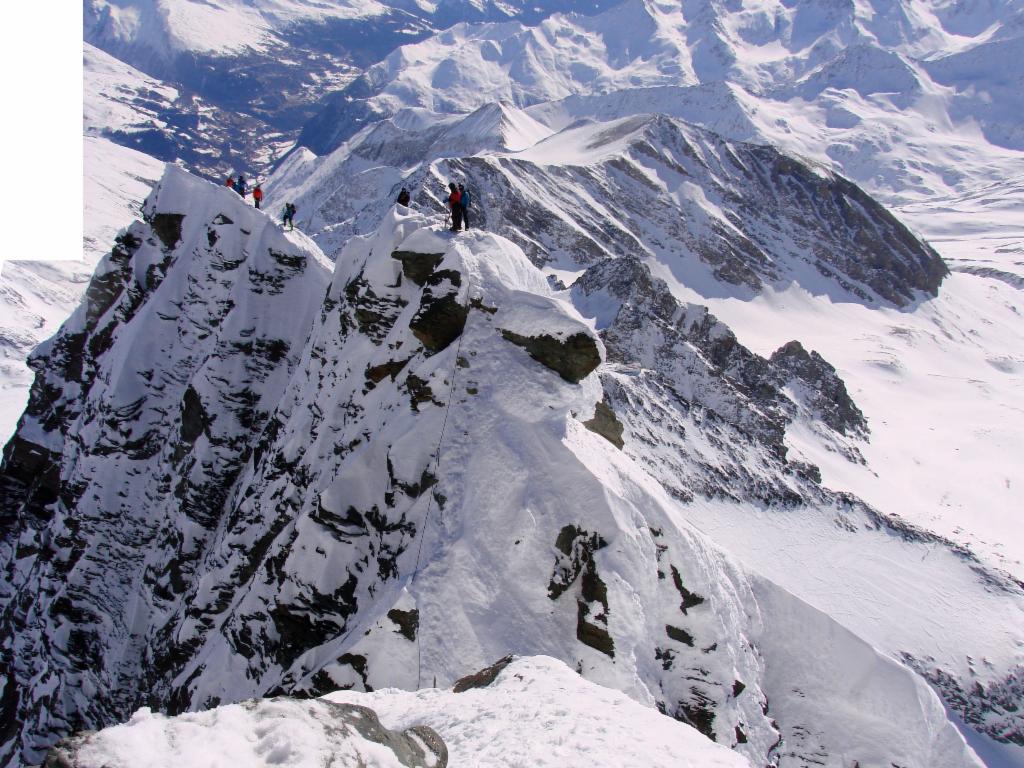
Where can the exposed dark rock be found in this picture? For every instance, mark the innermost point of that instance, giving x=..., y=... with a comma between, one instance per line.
x=478, y=303
x=666, y=656
x=375, y=374
x=374, y=315
x=679, y=635
x=439, y=320
x=993, y=709
x=737, y=688
x=690, y=600
x=311, y=619
x=168, y=228
x=194, y=419
x=592, y=634
x=418, y=266
x=445, y=275
x=572, y=359
x=699, y=712
x=606, y=424
x=483, y=678
x=576, y=548
x=823, y=391
x=358, y=664
x=420, y=392
x=408, y=622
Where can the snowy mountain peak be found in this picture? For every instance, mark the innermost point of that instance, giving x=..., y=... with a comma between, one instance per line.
x=437, y=461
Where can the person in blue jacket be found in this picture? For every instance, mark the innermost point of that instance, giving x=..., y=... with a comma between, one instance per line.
x=464, y=200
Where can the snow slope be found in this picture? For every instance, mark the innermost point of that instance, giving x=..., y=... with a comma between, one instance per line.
x=425, y=481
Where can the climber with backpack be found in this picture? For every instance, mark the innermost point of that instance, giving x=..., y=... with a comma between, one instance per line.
x=230, y=182
x=403, y=197
x=455, y=207
x=257, y=195
x=464, y=200
x=240, y=185
x=288, y=216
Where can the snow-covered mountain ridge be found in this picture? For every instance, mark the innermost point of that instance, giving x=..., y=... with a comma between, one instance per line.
x=909, y=99
x=213, y=497
x=708, y=209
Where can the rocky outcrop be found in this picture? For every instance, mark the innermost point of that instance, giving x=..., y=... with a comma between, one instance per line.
x=605, y=424
x=483, y=678
x=576, y=562
x=572, y=358
x=819, y=387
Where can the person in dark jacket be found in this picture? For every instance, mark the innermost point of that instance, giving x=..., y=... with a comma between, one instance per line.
x=240, y=185
x=403, y=197
x=464, y=200
x=455, y=207
x=288, y=216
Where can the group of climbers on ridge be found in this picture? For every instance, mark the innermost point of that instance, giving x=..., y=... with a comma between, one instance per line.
x=458, y=204
x=239, y=185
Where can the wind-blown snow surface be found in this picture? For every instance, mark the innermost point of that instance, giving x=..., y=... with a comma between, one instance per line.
x=538, y=713
x=186, y=524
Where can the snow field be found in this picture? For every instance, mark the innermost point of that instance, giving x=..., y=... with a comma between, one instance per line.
x=948, y=460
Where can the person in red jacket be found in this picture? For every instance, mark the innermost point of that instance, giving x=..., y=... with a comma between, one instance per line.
x=257, y=195
x=230, y=182
x=454, y=206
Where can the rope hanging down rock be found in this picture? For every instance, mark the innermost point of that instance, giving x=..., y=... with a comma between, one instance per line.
x=430, y=497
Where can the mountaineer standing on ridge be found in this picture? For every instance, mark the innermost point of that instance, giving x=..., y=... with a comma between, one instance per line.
x=240, y=185
x=464, y=200
x=403, y=197
x=288, y=215
x=455, y=206
x=230, y=182
x=257, y=195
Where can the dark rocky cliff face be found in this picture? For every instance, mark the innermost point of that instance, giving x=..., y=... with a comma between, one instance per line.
x=145, y=406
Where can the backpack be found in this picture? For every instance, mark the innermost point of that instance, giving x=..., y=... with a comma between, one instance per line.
x=465, y=200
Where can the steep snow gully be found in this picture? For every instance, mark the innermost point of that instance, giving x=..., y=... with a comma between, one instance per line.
x=226, y=486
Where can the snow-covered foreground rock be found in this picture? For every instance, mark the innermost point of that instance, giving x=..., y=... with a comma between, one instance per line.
x=256, y=733
x=536, y=712
x=241, y=476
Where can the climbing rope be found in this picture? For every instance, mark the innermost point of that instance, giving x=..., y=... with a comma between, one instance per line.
x=430, y=497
